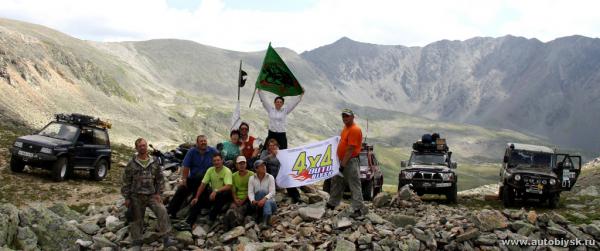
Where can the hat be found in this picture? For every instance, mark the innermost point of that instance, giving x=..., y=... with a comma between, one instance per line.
x=258, y=162
x=240, y=159
x=347, y=112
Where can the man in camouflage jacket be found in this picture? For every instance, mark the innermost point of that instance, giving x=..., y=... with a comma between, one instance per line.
x=143, y=185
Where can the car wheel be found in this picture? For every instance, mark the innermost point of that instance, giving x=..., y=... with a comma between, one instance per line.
x=367, y=190
x=507, y=196
x=451, y=195
x=60, y=169
x=16, y=165
x=100, y=170
x=553, y=200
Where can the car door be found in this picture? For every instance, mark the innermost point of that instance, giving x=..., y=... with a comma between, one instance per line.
x=84, y=148
x=568, y=169
x=101, y=145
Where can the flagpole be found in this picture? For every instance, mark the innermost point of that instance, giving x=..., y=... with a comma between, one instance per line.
x=239, y=79
x=253, y=93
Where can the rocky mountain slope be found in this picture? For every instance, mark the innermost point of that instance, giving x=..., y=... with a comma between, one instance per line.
x=171, y=90
x=548, y=89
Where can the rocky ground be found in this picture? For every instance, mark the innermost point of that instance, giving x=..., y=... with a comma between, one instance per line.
x=401, y=221
x=79, y=214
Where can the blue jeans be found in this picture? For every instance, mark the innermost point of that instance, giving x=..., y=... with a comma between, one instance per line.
x=270, y=207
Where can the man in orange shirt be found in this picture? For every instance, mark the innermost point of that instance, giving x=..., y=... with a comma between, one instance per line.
x=347, y=152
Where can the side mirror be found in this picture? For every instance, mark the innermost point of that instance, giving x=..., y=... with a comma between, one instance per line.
x=453, y=165
x=505, y=160
x=403, y=163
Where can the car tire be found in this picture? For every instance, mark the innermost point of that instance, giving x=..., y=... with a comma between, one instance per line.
x=16, y=165
x=100, y=170
x=367, y=190
x=60, y=169
x=553, y=200
x=507, y=196
x=451, y=195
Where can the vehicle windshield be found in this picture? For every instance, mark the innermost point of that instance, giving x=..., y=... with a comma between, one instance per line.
x=532, y=159
x=364, y=161
x=59, y=131
x=428, y=159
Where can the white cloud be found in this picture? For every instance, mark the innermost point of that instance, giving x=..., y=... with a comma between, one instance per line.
x=411, y=23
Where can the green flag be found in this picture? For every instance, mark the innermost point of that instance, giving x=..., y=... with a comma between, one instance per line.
x=276, y=77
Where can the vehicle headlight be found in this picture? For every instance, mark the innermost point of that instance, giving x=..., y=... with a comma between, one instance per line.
x=446, y=176
x=517, y=177
x=46, y=150
x=408, y=175
x=544, y=182
x=552, y=182
x=19, y=144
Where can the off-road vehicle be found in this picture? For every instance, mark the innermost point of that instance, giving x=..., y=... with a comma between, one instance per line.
x=430, y=169
x=371, y=177
x=71, y=142
x=536, y=172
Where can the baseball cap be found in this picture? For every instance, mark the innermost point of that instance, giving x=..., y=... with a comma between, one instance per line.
x=258, y=162
x=347, y=112
x=240, y=159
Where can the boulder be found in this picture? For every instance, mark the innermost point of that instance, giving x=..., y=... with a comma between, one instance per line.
x=344, y=245
x=311, y=213
x=62, y=210
x=26, y=239
x=9, y=221
x=489, y=220
x=382, y=200
x=589, y=191
x=52, y=231
x=375, y=218
x=404, y=193
x=101, y=242
x=401, y=220
x=184, y=237
x=468, y=235
x=232, y=234
x=89, y=228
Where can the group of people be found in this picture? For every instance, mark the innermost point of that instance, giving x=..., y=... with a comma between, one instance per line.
x=237, y=178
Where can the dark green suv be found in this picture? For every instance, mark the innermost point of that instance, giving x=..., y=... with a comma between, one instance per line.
x=71, y=142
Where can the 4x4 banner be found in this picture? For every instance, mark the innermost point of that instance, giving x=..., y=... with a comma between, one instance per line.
x=308, y=164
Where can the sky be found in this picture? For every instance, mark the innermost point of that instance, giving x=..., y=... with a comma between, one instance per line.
x=249, y=25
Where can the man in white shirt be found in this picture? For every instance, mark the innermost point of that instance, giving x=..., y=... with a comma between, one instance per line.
x=261, y=193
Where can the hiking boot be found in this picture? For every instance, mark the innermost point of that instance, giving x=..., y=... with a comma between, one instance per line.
x=266, y=222
x=168, y=242
x=330, y=207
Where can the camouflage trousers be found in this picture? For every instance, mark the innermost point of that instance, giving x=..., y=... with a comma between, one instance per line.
x=138, y=205
x=351, y=177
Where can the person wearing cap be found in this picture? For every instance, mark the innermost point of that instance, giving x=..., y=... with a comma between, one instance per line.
x=213, y=193
x=239, y=191
x=261, y=193
x=347, y=152
x=278, y=117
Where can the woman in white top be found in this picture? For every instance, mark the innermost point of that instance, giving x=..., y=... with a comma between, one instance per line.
x=278, y=117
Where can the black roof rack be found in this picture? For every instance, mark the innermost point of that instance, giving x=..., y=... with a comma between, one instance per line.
x=80, y=119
